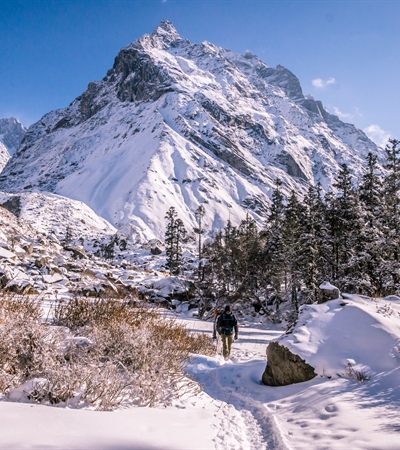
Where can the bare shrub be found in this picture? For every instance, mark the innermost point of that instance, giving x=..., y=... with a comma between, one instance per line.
x=106, y=387
x=151, y=352
x=100, y=385
x=118, y=352
x=385, y=309
x=82, y=311
x=26, y=345
x=359, y=375
x=20, y=306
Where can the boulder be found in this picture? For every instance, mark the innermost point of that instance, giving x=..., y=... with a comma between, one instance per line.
x=6, y=254
x=156, y=250
x=77, y=252
x=285, y=367
x=22, y=289
x=41, y=262
x=28, y=248
x=53, y=278
x=327, y=292
x=13, y=205
x=183, y=294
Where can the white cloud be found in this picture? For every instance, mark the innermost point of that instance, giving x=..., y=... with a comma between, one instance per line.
x=376, y=134
x=342, y=115
x=319, y=83
x=345, y=116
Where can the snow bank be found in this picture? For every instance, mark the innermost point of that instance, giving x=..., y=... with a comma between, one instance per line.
x=327, y=336
x=36, y=426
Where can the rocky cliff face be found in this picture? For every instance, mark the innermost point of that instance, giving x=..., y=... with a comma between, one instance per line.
x=179, y=124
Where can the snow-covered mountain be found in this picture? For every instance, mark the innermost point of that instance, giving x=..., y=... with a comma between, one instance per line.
x=4, y=156
x=52, y=215
x=179, y=124
x=11, y=134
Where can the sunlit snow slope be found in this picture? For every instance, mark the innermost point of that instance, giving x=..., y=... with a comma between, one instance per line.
x=179, y=124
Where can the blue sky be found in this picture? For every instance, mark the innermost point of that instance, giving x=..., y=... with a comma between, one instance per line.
x=345, y=53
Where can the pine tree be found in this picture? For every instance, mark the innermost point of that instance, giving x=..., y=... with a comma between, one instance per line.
x=67, y=241
x=108, y=250
x=274, y=250
x=249, y=263
x=199, y=213
x=292, y=231
x=346, y=224
x=174, y=236
x=391, y=222
x=232, y=262
x=310, y=247
x=371, y=237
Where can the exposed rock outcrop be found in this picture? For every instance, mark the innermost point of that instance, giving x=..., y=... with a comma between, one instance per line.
x=284, y=367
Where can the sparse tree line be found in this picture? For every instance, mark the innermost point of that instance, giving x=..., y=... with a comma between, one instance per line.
x=350, y=238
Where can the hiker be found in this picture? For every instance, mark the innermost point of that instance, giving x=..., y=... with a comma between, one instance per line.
x=226, y=325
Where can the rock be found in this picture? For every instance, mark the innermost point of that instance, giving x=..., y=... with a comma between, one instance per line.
x=292, y=166
x=156, y=250
x=41, y=262
x=327, y=292
x=74, y=267
x=21, y=289
x=285, y=367
x=28, y=248
x=54, y=278
x=78, y=253
x=185, y=293
x=13, y=205
x=4, y=253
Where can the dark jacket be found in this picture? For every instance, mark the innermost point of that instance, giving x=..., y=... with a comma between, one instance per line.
x=227, y=324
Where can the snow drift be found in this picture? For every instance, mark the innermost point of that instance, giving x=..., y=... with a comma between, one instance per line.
x=356, y=331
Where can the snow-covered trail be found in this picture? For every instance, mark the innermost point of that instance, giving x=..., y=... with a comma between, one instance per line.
x=241, y=421
x=235, y=411
x=333, y=411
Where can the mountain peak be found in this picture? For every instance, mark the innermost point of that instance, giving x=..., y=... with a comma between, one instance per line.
x=166, y=32
x=11, y=133
x=181, y=124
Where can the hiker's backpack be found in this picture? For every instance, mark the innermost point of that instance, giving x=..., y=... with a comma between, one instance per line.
x=227, y=324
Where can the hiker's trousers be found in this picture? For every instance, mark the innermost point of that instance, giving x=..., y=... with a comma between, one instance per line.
x=227, y=341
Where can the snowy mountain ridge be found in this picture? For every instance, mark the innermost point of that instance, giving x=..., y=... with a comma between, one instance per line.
x=11, y=134
x=179, y=124
x=4, y=156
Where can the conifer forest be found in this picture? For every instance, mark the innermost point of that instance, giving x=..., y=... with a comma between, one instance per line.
x=349, y=237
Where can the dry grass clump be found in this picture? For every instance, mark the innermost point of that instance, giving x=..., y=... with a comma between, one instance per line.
x=30, y=307
x=82, y=311
x=359, y=375
x=99, y=351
